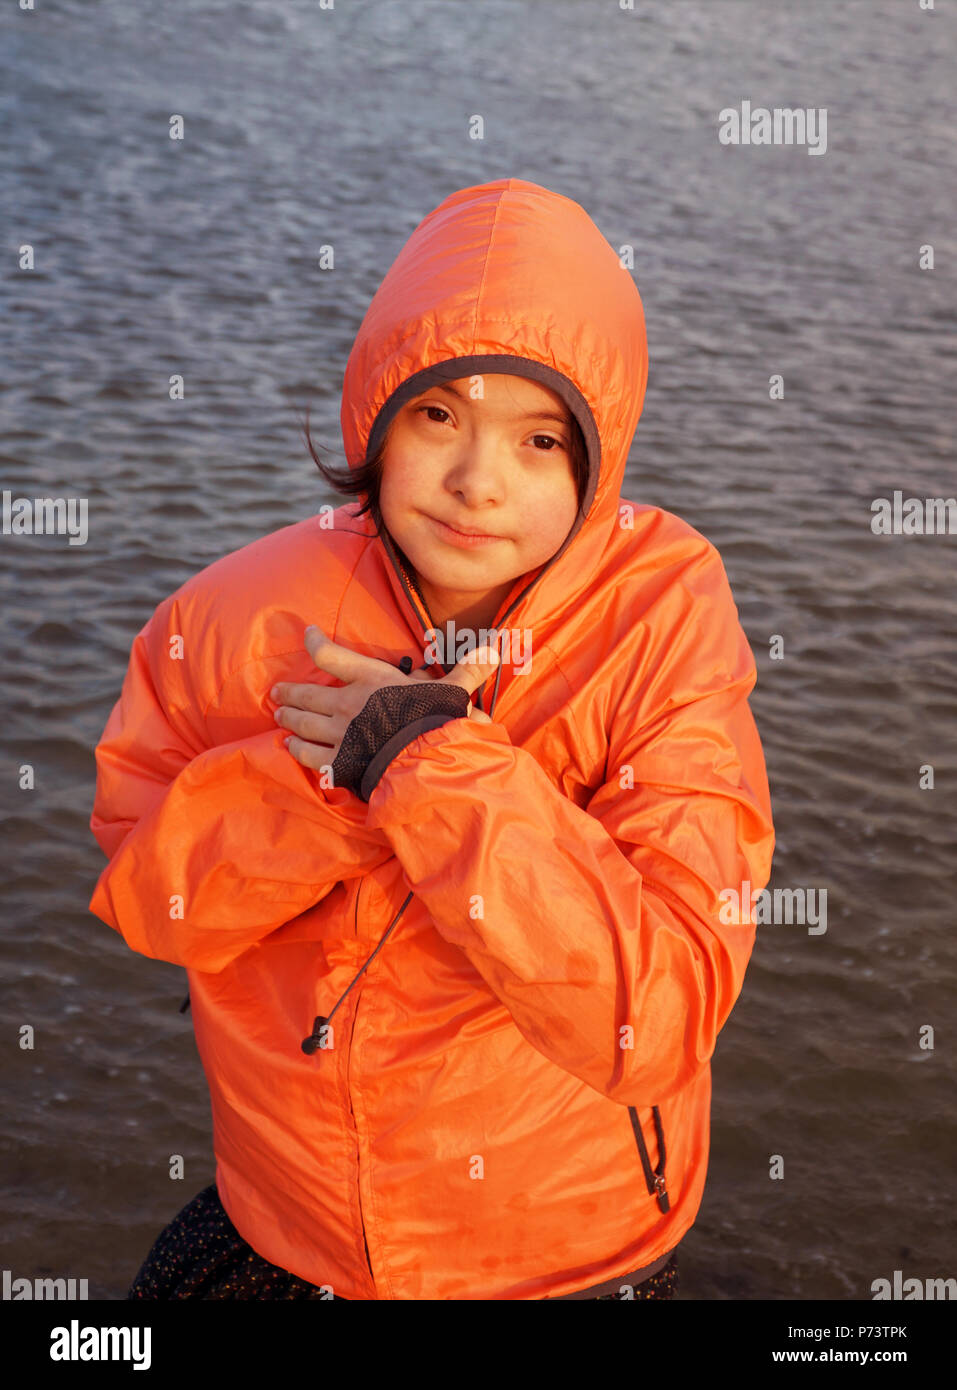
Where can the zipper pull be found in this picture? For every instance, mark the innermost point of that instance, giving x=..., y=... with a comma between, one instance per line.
x=662, y=1192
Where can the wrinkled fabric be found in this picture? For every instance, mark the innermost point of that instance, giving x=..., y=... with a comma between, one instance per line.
x=483, y=1119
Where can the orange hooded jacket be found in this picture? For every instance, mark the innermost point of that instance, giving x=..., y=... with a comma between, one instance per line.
x=513, y=1099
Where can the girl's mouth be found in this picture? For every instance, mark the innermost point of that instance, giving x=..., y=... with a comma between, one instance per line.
x=448, y=533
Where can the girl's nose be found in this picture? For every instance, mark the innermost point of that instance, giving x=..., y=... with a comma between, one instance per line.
x=478, y=475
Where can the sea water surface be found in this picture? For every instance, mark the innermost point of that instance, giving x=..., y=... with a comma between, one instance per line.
x=309, y=126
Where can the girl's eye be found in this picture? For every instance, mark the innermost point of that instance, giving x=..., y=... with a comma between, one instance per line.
x=556, y=443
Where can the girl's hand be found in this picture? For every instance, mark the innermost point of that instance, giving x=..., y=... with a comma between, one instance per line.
x=319, y=715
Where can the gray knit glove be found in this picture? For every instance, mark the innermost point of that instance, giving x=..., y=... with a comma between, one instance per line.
x=391, y=718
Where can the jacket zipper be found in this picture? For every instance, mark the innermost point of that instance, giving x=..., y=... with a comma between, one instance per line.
x=654, y=1177
x=351, y=1110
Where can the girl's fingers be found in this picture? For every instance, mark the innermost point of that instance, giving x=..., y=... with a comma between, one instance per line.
x=320, y=699
x=317, y=728
x=310, y=754
x=341, y=662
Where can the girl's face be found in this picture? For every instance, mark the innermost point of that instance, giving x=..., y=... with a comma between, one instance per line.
x=499, y=464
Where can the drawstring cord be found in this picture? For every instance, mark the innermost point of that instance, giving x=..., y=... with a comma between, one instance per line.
x=316, y=1038
x=314, y=1041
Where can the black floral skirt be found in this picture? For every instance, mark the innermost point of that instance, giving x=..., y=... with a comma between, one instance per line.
x=200, y=1254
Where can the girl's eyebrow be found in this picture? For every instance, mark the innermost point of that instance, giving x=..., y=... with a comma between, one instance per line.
x=528, y=415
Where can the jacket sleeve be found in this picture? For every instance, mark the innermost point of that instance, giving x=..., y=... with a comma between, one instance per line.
x=602, y=930
x=210, y=848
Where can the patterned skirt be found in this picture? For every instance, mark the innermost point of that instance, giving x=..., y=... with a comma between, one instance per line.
x=200, y=1254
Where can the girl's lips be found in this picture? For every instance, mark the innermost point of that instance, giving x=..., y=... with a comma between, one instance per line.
x=454, y=537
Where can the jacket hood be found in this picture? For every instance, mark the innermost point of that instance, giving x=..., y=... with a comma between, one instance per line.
x=502, y=277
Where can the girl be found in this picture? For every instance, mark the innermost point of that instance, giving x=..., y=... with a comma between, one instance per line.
x=450, y=873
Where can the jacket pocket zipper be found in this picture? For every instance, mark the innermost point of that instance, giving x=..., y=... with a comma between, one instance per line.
x=654, y=1177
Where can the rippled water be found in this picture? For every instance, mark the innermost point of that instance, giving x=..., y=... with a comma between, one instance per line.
x=346, y=126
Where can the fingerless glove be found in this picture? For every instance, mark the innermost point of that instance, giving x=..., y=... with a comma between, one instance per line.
x=391, y=718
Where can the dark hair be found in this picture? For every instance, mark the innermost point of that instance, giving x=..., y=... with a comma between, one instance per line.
x=365, y=480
